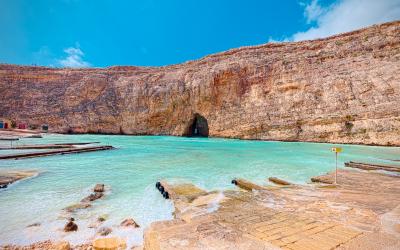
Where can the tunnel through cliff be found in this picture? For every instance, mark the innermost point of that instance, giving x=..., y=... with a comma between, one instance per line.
x=198, y=127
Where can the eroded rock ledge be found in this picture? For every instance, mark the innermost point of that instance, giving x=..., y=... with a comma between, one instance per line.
x=8, y=177
x=341, y=89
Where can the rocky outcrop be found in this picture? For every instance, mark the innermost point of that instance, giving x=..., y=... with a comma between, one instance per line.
x=85, y=202
x=45, y=245
x=92, y=197
x=343, y=89
x=8, y=177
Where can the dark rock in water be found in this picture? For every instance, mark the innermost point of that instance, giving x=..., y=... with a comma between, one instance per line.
x=99, y=188
x=71, y=226
x=129, y=223
x=4, y=186
x=104, y=231
x=36, y=224
x=93, y=197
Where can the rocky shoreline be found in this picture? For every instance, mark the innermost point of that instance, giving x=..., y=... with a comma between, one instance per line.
x=98, y=192
x=354, y=214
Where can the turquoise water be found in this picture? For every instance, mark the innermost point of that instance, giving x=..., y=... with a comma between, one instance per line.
x=131, y=170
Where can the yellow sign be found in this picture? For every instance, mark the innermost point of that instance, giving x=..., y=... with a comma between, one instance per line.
x=337, y=150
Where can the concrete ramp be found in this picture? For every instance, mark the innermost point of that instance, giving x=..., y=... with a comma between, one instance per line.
x=186, y=192
x=247, y=185
x=189, y=200
x=278, y=181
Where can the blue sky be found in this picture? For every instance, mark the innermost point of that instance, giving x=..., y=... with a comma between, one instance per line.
x=100, y=33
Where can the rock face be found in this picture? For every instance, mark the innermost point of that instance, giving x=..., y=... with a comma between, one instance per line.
x=343, y=89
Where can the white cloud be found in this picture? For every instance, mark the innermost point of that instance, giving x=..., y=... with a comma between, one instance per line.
x=74, y=58
x=313, y=11
x=346, y=15
x=273, y=40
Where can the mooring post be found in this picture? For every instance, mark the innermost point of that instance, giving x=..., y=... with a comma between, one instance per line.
x=336, y=168
x=336, y=151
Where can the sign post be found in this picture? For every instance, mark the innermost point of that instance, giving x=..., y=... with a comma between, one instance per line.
x=336, y=150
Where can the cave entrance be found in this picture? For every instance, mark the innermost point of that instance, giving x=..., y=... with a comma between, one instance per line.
x=198, y=127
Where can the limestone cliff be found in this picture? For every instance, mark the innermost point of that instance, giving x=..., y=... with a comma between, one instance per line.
x=345, y=88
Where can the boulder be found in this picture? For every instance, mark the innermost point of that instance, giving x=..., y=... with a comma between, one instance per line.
x=62, y=245
x=70, y=226
x=104, y=231
x=99, y=188
x=110, y=243
x=92, y=197
x=129, y=223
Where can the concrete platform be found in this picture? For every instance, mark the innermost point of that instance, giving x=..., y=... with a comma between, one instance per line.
x=55, y=152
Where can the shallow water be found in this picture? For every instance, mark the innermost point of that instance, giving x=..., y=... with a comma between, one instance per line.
x=131, y=170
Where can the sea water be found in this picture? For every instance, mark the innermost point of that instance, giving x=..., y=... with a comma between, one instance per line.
x=131, y=171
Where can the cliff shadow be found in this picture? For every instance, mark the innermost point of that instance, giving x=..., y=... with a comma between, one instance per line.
x=198, y=127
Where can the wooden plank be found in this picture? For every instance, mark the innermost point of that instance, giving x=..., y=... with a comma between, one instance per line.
x=77, y=143
x=48, y=146
x=55, y=152
x=38, y=146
